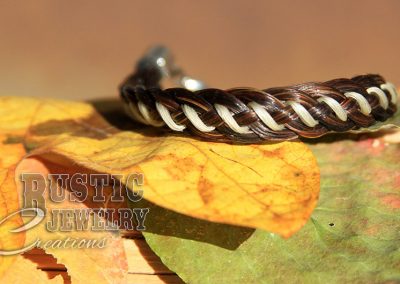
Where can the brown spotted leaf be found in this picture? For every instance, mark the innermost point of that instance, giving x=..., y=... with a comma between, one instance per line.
x=273, y=187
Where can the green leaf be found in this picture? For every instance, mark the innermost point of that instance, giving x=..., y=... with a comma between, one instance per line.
x=392, y=122
x=353, y=235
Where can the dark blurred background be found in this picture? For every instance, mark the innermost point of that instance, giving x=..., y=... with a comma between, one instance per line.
x=83, y=49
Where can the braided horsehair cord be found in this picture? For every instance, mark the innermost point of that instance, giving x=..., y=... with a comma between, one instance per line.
x=249, y=115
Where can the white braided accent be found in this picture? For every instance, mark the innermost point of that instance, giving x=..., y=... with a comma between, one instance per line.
x=265, y=117
x=166, y=116
x=227, y=117
x=303, y=113
x=140, y=112
x=335, y=106
x=194, y=118
x=383, y=101
x=146, y=115
x=135, y=114
x=128, y=111
x=391, y=88
x=362, y=102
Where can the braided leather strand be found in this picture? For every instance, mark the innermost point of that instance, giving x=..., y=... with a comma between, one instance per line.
x=248, y=115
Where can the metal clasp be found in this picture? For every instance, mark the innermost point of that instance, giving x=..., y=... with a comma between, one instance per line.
x=160, y=57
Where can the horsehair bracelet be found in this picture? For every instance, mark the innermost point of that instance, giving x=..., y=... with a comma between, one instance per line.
x=249, y=115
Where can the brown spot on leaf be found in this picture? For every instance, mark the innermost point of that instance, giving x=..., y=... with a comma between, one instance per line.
x=205, y=188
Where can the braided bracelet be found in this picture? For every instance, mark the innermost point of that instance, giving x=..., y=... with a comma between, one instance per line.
x=249, y=115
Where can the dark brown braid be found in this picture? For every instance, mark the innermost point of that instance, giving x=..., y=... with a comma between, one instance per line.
x=144, y=87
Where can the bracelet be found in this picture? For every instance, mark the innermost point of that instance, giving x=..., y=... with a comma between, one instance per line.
x=249, y=115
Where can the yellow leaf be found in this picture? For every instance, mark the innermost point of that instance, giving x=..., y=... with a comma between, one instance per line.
x=25, y=271
x=274, y=186
x=38, y=121
x=10, y=155
x=28, y=123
